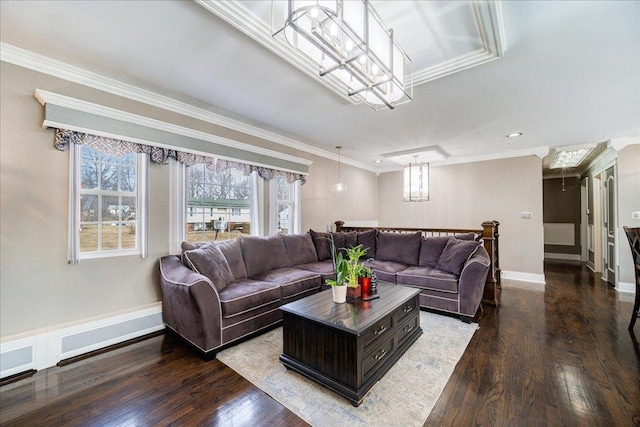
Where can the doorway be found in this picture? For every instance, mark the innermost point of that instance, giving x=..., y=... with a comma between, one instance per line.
x=609, y=225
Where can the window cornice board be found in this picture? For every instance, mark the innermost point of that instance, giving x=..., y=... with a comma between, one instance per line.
x=81, y=116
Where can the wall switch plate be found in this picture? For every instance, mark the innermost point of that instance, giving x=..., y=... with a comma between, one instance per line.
x=635, y=215
x=526, y=215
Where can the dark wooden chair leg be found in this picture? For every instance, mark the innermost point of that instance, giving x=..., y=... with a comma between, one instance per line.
x=636, y=305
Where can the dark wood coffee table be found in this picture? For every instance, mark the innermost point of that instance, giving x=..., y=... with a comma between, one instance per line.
x=349, y=347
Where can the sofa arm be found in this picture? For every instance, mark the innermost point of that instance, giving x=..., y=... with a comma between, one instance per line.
x=190, y=304
x=471, y=282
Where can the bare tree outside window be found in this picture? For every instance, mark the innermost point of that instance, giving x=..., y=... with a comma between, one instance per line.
x=108, y=201
x=217, y=204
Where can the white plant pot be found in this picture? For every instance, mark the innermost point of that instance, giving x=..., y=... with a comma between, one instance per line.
x=339, y=293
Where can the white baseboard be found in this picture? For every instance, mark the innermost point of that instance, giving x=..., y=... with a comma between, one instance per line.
x=42, y=350
x=626, y=287
x=568, y=257
x=523, y=277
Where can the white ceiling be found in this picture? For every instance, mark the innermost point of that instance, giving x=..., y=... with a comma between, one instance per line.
x=570, y=74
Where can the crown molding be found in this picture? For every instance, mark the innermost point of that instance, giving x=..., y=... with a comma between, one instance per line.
x=476, y=158
x=33, y=61
x=235, y=14
x=45, y=97
x=487, y=14
x=619, y=143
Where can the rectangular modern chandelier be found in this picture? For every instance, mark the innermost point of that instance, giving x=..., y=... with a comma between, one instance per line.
x=348, y=40
x=416, y=182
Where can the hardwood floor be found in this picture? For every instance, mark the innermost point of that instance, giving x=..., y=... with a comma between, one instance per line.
x=558, y=357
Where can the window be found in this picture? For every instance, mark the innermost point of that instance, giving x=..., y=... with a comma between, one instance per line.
x=218, y=203
x=108, y=197
x=284, y=203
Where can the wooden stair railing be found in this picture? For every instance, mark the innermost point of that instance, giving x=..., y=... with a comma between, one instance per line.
x=488, y=234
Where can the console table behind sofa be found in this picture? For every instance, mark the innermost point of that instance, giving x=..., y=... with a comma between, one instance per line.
x=488, y=234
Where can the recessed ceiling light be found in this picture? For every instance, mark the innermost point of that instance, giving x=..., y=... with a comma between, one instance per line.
x=377, y=161
x=514, y=135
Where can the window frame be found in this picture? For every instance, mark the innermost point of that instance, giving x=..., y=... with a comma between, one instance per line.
x=181, y=195
x=75, y=192
x=274, y=203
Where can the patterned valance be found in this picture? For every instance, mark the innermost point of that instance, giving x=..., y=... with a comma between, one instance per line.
x=117, y=148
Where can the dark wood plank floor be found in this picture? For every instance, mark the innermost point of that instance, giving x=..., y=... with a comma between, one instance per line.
x=558, y=357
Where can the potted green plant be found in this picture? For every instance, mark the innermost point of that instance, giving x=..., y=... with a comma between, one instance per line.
x=354, y=268
x=339, y=285
x=364, y=277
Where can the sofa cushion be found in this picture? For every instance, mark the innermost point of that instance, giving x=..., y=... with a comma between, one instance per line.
x=292, y=281
x=189, y=246
x=386, y=270
x=430, y=250
x=300, y=249
x=350, y=240
x=466, y=236
x=323, y=268
x=245, y=295
x=233, y=253
x=456, y=252
x=321, y=243
x=399, y=247
x=209, y=261
x=368, y=240
x=428, y=278
x=263, y=253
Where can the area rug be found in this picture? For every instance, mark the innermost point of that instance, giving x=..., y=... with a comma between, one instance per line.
x=403, y=397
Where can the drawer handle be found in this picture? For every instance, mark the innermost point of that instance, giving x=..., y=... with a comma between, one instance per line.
x=379, y=355
x=408, y=308
x=408, y=329
x=380, y=330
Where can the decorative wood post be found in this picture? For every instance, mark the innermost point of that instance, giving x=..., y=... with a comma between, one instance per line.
x=490, y=237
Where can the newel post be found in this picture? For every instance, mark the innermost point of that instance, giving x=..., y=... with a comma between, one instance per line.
x=490, y=238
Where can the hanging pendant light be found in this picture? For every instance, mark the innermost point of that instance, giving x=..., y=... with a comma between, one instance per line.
x=339, y=187
x=416, y=182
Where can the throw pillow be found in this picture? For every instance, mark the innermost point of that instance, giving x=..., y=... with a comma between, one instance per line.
x=368, y=241
x=209, y=261
x=338, y=241
x=187, y=246
x=321, y=242
x=233, y=253
x=403, y=248
x=455, y=255
x=430, y=250
x=350, y=240
x=300, y=249
x=466, y=236
x=263, y=253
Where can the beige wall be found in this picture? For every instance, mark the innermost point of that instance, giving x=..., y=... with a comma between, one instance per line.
x=38, y=288
x=322, y=207
x=465, y=195
x=628, y=201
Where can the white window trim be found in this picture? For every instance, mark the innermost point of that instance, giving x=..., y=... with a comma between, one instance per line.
x=177, y=205
x=74, y=254
x=273, y=208
x=256, y=204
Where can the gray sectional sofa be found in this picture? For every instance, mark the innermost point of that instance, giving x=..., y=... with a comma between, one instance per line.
x=218, y=292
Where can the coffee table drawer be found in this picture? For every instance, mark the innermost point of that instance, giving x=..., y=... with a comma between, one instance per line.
x=377, y=357
x=408, y=308
x=379, y=331
x=405, y=330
